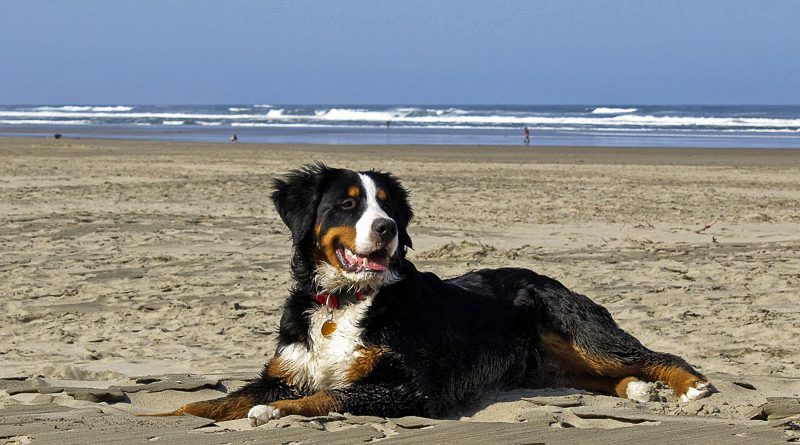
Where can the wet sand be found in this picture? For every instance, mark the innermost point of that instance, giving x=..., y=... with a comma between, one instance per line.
x=123, y=259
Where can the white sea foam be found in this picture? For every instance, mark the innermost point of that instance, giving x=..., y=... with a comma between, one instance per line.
x=347, y=114
x=762, y=130
x=306, y=125
x=124, y=115
x=238, y=109
x=43, y=122
x=402, y=116
x=681, y=121
x=262, y=106
x=608, y=110
x=64, y=108
x=209, y=124
x=113, y=108
x=412, y=116
x=85, y=108
x=173, y=122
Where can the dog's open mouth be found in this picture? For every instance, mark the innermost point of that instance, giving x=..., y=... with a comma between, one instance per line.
x=377, y=261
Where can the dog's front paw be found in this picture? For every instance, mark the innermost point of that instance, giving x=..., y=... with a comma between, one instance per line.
x=697, y=392
x=261, y=414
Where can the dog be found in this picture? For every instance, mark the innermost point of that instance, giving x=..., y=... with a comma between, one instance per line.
x=363, y=331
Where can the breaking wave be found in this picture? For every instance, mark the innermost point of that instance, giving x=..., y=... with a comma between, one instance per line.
x=565, y=118
x=42, y=122
x=85, y=108
x=605, y=110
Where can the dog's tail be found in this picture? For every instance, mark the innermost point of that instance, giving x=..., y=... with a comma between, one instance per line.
x=232, y=407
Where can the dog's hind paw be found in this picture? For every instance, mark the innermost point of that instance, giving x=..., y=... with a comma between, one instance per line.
x=697, y=392
x=641, y=391
x=261, y=414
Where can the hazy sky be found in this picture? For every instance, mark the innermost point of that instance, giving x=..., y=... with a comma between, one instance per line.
x=396, y=52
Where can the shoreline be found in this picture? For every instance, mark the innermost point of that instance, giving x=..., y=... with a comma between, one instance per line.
x=459, y=153
x=409, y=136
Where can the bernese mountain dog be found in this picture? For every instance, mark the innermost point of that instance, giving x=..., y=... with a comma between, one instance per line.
x=363, y=331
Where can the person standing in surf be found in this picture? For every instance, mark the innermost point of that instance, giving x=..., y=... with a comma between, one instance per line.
x=527, y=133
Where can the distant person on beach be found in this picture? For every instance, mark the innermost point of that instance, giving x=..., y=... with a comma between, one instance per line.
x=527, y=133
x=388, y=124
x=234, y=138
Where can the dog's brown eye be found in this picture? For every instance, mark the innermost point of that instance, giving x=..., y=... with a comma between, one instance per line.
x=348, y=203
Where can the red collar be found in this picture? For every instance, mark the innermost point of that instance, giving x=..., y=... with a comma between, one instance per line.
x=332, y=300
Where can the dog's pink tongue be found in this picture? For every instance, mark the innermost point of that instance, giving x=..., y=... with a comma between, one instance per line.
x=376, y=263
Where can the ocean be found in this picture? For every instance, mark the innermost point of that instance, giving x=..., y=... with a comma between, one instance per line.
x=582, y=125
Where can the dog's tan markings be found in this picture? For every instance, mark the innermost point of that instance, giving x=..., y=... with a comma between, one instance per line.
x=318, y=229
x=353, y=191
x=364, y=364
x=584, y=369
x=344, y=235
x=278, y=369
x=587, y=371
x=382, y=196
x=228, y=408
x=318, y=404
x=575, y=359
x=614, y=386
x=679, y=379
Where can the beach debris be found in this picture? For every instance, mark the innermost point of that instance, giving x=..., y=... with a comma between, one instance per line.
x=744, y=385
x=706, y=227
x=675, y=267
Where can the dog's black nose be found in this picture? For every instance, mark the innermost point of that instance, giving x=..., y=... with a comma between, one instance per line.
x=385, y=228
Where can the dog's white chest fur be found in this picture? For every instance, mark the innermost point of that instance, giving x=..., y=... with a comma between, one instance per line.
x=325, y=364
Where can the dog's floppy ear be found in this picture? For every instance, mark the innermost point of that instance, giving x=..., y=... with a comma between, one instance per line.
x=296, y=197
x=402, y=209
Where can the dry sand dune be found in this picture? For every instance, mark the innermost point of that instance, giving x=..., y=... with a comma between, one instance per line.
x=126, y=259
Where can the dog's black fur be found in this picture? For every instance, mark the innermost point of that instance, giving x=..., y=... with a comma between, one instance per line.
x=441, y=344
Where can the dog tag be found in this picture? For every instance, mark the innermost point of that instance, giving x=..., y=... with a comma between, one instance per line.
x=327, y=328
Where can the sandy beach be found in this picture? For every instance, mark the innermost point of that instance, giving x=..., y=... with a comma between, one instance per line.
x=122, y=259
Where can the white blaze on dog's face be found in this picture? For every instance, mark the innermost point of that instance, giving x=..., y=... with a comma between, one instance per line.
x=375, y=226
x=356, y=234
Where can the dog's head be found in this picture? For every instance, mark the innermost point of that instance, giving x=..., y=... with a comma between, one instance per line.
x=349, y=229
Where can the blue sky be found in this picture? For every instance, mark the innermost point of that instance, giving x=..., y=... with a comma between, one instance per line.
x=395, y=52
